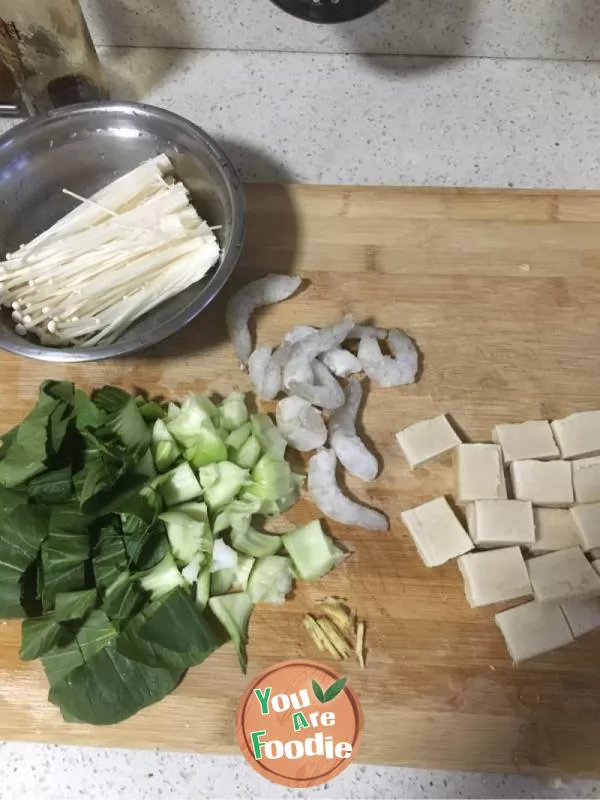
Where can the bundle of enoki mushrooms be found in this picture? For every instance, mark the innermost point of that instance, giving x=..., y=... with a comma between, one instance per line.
x=113, y=258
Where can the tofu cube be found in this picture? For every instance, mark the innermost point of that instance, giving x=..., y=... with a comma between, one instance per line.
x=563, y=574
x=495, y=576
x=436, y=532
x=586, y=480
x=427, y=440
x=479, y=473
x=582, y=614
x=526, y=440
x=543, y=483
x=587, y=525
x=496, y=523
x=578, y=435
x=533, y=629
x=555, y=529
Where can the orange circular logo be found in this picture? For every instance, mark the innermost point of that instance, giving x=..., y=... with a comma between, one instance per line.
x=299, y=723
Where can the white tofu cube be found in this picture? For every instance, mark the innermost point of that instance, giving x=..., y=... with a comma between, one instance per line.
x=586, y=480
x=543, y=483
x=496, y=523
x=532, y=629
x=437, y=532
x=587, y=524
x=563, y=574
x=596, y=565
x=594, y=553
x=479, y=473
x=526, y=440
x=555, y=529
x=578, y=435
x=582, y=614
x=427, y=440
x=495, y=576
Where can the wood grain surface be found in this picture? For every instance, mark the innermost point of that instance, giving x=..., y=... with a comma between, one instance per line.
x=501, y=291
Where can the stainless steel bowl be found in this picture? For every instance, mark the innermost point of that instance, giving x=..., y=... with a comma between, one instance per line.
x=85, y=147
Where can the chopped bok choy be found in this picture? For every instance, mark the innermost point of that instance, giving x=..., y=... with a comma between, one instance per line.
x=131, y=576
x=271, y=580
x=313, y=553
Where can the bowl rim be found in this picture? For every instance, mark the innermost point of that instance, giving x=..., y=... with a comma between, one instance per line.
x=171, y=326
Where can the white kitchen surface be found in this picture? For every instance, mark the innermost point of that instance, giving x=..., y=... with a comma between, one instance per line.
x=38, y=772
x=524, y=112
x=489, y=28
x=333, y=118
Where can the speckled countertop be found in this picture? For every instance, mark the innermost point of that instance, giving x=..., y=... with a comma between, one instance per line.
x=460, y=92
x=38, y=772
x=347, y=118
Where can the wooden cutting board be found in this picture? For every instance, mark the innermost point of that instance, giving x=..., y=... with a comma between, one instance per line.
x=501, y=291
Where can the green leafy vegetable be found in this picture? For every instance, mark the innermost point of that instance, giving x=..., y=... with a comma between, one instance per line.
x=22, y=531
x=233, y=412
x=177, y=624
x=38, y=636
x=221, y=581
x=203, y=587
x=207, y=448
x=87, y=414
x=237, y=437
x=130, y=428
x=52, y=486
x=162, y=578
x=11, y=498
x=64, y=554
x=102, y=465
x=179, y=485
x=268, y=434
x=187, y=536
x=313, y=552
x=74, y=605
x=233, y=612
x=111, y=508
x=91, y=694
x=27, y=449
x=248, y=454
x=221, y=483
x=191, y=419
x=122, y=598
x=274, y=484
x=164, y=448
x=197, y=511
x=237, y=515
x=152, y=411
x=254, y=543
x=270, y=580
x=207, y=405
x=78, y=645
x=171, y=632
x=110, y=557
x=110, y=399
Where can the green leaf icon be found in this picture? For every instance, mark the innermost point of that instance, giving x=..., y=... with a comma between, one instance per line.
x=331, y=693
x=318, y=692
x=335, y=689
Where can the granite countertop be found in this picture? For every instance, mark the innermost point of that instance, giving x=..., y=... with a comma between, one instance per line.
x=346, y=118
x=485, y=95
x=52, y=772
